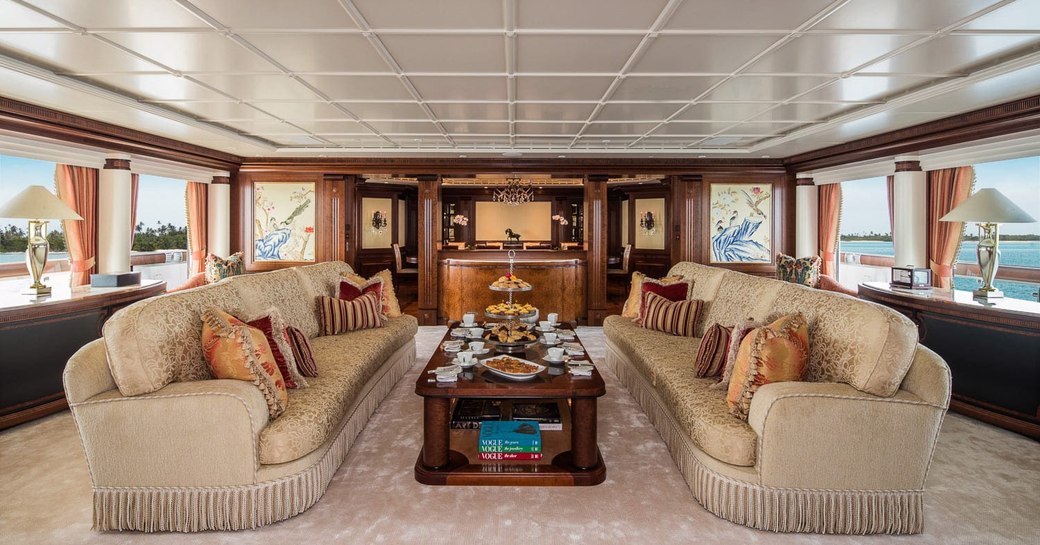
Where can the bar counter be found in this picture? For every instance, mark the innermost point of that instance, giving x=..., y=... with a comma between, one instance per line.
x=557, y=276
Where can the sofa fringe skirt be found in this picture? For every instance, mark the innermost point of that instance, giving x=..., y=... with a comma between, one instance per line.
x=769, y=508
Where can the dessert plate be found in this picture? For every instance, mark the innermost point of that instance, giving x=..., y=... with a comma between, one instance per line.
x=532, y=368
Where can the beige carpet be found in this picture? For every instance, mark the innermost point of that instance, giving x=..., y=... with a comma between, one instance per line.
x=984, y=488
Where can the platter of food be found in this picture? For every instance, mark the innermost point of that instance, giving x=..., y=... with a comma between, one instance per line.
x=510, y=283
x=513, y=368
x=507, y=311
x=510, y=336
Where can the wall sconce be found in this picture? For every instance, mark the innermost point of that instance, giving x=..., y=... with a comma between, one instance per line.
x=379, y=221
x=647, y=223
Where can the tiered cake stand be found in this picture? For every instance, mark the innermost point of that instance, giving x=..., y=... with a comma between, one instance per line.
x=513, y=321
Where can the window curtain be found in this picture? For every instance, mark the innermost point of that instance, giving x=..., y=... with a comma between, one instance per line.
x=947, y=188
x=195, y=197
x=891, y=183
x=135, y=180
x=830, y=212
x=78, y=188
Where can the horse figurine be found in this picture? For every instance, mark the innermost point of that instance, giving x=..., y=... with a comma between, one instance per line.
x=511, y=236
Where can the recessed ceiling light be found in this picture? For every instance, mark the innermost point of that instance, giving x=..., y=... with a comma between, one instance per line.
x=461, y=155
x=701, y=156
x=561, y=156
x=765, y=157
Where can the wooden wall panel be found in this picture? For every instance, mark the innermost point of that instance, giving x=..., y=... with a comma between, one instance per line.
x=596, y=247
x=429, y=244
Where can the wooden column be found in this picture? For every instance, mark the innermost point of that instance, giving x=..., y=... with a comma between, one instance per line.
x=429, y=244
x=685, y=221
x=334, y=214
x=596, y=247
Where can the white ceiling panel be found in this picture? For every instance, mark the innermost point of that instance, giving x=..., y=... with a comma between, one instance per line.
x=447, y=53
x=536, y=88
x=14, y=16
x=1012, y=86
x=548, y=128
x=745, y=14
x=588, y=14
x=581, y=53
x=386, y=110
x=407, y=127
x=692, y=128
x=347, y=88
x=158, y=86
x=622, y=111
x=333, y=126
x=618, y=128
x=704, y=54
x=759, y=129
x=383, y=14
x=192, y=51
x=277, y=14
x=871, y=125
x=457, y=128
x=270, y=87
x=863, y=88
x=544, y=140
x=605, y=141
x=320, y=52
x=296, y=140
x=828, y=53
x=470, y=110
x=722, y=111
x=768, y=88
x=1021, y=15
x=649, y=88
x=221, y=110
x=302, y=110
x=918, y=14
x=554, y=111
x=460, y=88
x=954, y=54
x=70, y=53
x=804, y=111
x=122, y=13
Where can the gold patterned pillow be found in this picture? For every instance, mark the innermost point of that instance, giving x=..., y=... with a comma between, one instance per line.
x=739, y=332
x=635, y=294
x=236, y=351
x=778, y=352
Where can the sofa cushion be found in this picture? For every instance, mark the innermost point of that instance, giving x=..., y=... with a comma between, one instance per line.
x=282, y=289
x=157, y=341
x=323, y=278
x=345, y=363
x=865, y=345
x=646, y=349
x=706, y=282
x=741, y=297
x=702, y=413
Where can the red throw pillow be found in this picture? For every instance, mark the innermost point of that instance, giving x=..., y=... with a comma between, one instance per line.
x=677, y=291
x=301, y=349
x=712, y=352
x=274, y=329
x=350, y=290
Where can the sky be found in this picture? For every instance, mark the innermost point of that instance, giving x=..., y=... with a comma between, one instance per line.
x=865, y=202
x=160, y=199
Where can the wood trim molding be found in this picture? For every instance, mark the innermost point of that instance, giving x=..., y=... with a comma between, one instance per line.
x=221, y=180
x=1002, y=119
x=908, y=166
x=117, y=164
x=40, y=121
x=454, y=165
x=800, y=182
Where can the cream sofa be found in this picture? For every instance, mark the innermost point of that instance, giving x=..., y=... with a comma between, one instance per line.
x=847, y=451
x=169, y=449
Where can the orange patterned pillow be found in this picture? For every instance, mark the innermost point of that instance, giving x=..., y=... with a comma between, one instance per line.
x=388, y=298
x=635, y=294
x=778, y=352
x=236, y=351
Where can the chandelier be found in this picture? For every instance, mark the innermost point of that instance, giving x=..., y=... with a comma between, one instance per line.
x=517, y=191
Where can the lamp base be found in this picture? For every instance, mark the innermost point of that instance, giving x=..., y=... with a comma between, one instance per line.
x=38, y=290
x=983, y=293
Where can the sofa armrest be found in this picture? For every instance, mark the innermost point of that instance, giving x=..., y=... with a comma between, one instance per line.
x=201, y=433
x=832, y=436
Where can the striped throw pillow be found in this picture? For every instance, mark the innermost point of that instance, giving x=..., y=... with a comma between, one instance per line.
x=674, y=317
x=711, y=354
x=301, y=349
x=339, y=316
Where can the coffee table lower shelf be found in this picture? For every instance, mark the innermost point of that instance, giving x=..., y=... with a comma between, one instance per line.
x=560, y=472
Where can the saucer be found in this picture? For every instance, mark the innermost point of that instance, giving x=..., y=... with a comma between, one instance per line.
x=482, y=352
x=453, y=348
x=550, y=330
x=546, y=343
x=566, y=336
x=471, y=363
x=564, y=359
x=581, y=370
x=460, y=333
x=467, y=326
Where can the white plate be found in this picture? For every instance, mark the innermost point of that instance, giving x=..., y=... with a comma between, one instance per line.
x=515, y=376
x=565, y=336
x=581, y=370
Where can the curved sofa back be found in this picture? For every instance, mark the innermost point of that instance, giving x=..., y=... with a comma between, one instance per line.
x=865, y=345
x=158, y=341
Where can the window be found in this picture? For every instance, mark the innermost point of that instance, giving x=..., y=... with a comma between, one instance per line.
x=1019, y=273
x=162, y=217
x=865, y=250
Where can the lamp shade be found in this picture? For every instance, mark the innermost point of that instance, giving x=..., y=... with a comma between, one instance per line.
x=36, y=203
x=988, y=206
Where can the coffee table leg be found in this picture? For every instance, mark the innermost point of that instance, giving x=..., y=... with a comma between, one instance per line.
x=436, y=430
x=584, y=452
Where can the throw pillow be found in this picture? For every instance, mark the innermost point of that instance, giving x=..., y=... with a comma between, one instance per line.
x=273, y=326
x=218, y=268
x=673, y=291
x=735, y=337
x=391, y=307
x=339, y=316
x=635, y=293
x=711, y=354
x=350, y=290
x=778, y=352
x=673, y=317
x=803, y=270
x=301, y=349
x=236, y=351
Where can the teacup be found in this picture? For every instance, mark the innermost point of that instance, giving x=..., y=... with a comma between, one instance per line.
x=465, y=357
x=476, y=346
x=545, y=325
x=469, y=319
x=476, y=332
x=550, y=338
x=553, y=318
x=555, y=353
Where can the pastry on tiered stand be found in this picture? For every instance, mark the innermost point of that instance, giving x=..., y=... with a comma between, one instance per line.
x=510, y=333
x=510, y=282
x=510, y=310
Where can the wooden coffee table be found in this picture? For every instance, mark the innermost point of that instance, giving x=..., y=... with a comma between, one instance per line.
x=571, y=456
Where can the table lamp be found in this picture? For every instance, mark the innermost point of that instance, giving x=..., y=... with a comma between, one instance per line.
x=37, y=205
x=989, y=208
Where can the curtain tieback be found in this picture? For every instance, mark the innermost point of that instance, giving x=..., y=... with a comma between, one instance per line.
x=944, y=271
x=81, y=265
x=827, y=256
x=199, y=255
